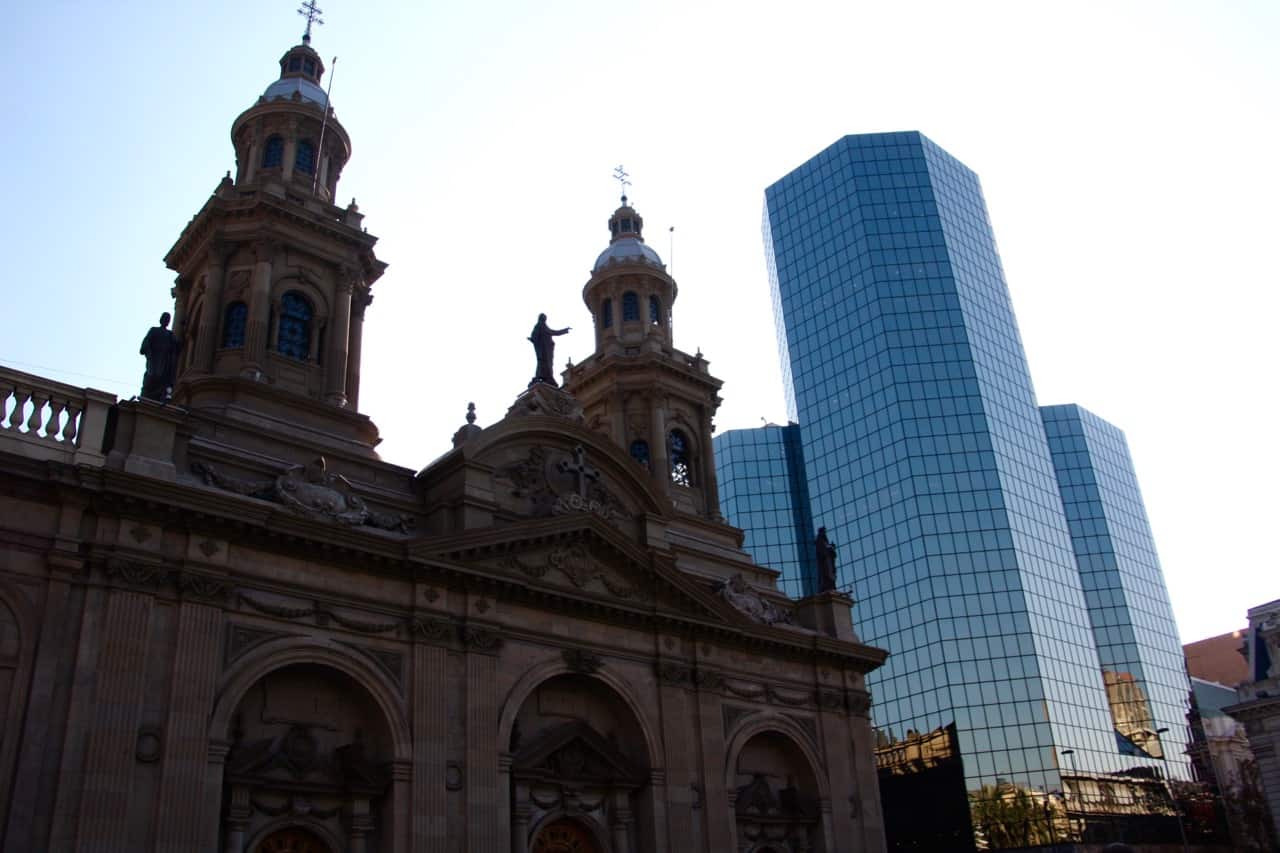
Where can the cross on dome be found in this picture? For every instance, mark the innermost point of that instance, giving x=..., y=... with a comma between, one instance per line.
x=312, y=13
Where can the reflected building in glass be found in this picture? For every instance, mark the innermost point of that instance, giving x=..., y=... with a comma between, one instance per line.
x=925, y=455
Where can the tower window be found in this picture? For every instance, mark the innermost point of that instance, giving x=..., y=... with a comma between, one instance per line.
x=655, y=309
x=640, y=451
x=630, y=306
x=295, y=63
x=626, y=225
x=606, y=314
x=681, y=467
x=309, y=67
x=273, y=154
x=233, y=322
x=305, y=161
x=293, y=337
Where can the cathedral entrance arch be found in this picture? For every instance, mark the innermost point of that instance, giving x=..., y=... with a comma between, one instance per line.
x=308, y=765
x=774, y=780
x=579, y=770
x=566, y=836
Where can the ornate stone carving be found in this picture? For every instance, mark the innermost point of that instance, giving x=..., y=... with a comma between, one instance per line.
x=808, y=724
x=203, y=587
x=278, y=610
x=675, y=673
x=432, y=630
x=544, y=399
x=859, y=702
x=748, y=601
x=310, y=491
x=552, y=482
x=582, y=660
x=480, y=639
x=783, y=697
x=575, y=562
x=829, y=700
x=708, y=679
x=208, y=547
x=135, y=574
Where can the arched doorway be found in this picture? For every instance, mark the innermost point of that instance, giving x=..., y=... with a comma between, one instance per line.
x=292, y=840
x=565, y=836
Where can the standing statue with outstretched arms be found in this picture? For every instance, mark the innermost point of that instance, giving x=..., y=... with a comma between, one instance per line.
x=544, y=345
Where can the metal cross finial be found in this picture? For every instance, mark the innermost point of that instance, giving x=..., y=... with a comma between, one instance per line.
x=620, y=175
x=581, y=471
x=312, y=13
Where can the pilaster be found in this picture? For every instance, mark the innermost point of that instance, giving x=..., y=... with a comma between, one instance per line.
x=339, y=336
x=484, y=834
x=117, y=705
x=183, y=818
x=430, y=828
x=259, y=307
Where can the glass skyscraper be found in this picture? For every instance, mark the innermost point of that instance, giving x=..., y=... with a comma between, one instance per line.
x=926, y=457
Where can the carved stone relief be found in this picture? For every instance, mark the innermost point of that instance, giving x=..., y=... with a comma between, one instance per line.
x=547, y=481
x=748, y=601
x=575, y=563
x=309, y=491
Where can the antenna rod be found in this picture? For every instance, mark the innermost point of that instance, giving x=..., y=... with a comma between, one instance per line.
x=671, y=250
x=315, y=182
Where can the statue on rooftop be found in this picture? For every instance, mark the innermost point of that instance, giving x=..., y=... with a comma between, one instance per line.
x=544, y=345
x=161, y=347
x=826, y=555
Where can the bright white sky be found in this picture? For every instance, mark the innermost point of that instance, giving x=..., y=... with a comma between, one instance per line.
x=1128, y=151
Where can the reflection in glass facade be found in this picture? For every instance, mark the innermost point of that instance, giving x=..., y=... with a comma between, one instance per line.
x=762, y=485
x=927, y=460
x=1133, y=627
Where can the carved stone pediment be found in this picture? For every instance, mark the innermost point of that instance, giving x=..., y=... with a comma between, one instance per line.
x=544, y=481
x=575, y=752
x=750, y=602
x=577, y=565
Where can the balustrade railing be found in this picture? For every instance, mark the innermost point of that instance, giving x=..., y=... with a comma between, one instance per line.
x=46, y=419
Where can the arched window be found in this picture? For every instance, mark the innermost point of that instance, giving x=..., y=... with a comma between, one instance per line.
x=273, y=154
x=630, y=306
x=305, y=161
x=655, y=309
x=606, y=314
x=640, y=451
x=293, y=337
x=295, y=63
x=681, y=463
x=233, y=320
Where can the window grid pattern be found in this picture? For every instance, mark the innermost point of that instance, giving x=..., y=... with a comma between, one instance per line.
x=233, y=325
x=1132, y=619
x=927, y=459
x=762, y=489
x=293, y=337
x=630, y=307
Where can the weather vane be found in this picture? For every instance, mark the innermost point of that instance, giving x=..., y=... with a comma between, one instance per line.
x=312, y=13
x=620, y=175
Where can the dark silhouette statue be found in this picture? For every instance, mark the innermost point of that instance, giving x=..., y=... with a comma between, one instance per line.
x=161, y=347
x=544, y=345
x=826, y=554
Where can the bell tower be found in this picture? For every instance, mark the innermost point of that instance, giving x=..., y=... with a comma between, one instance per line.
x=652, y=399
x=272, y=278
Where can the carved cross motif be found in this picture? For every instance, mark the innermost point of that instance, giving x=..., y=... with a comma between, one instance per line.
x=581, y=471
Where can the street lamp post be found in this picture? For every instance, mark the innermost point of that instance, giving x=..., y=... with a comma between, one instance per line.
x=1066, y=796
x=1168, y=784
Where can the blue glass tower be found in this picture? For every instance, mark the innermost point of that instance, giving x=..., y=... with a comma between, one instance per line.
x=927, y=460
x=1138, y=646
x=762, y=484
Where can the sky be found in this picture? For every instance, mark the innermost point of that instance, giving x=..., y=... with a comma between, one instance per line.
x=1127, y=150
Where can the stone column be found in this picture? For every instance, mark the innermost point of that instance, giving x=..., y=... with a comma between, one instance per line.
x=256, y=330
x=290, y=151
x=238, y=814
x=339, y=333
x=621, y=823
x=36, y=742
x=360, y=300
x=182, y=823
x=658, y=445
x=523, y=814
x=206, y=337
x=215, y=762
x=430, y=751
x=484, y=835
x=117, y=705
x=181, y=293
x=681, y=759
x=864, y=803
x=718, y=810
x=707, y=469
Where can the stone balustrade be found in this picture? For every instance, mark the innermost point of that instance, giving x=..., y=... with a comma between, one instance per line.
x=44, y=419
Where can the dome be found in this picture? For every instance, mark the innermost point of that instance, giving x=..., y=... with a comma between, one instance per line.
x=287, y=87
x=627, y=250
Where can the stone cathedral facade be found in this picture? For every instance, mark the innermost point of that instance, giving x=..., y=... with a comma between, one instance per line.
x=226, y=624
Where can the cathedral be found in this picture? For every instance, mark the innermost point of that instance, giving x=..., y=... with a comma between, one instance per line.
x=226, y=624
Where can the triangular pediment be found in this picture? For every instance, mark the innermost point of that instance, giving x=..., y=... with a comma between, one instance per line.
x=583, y=557
x=575, y=752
